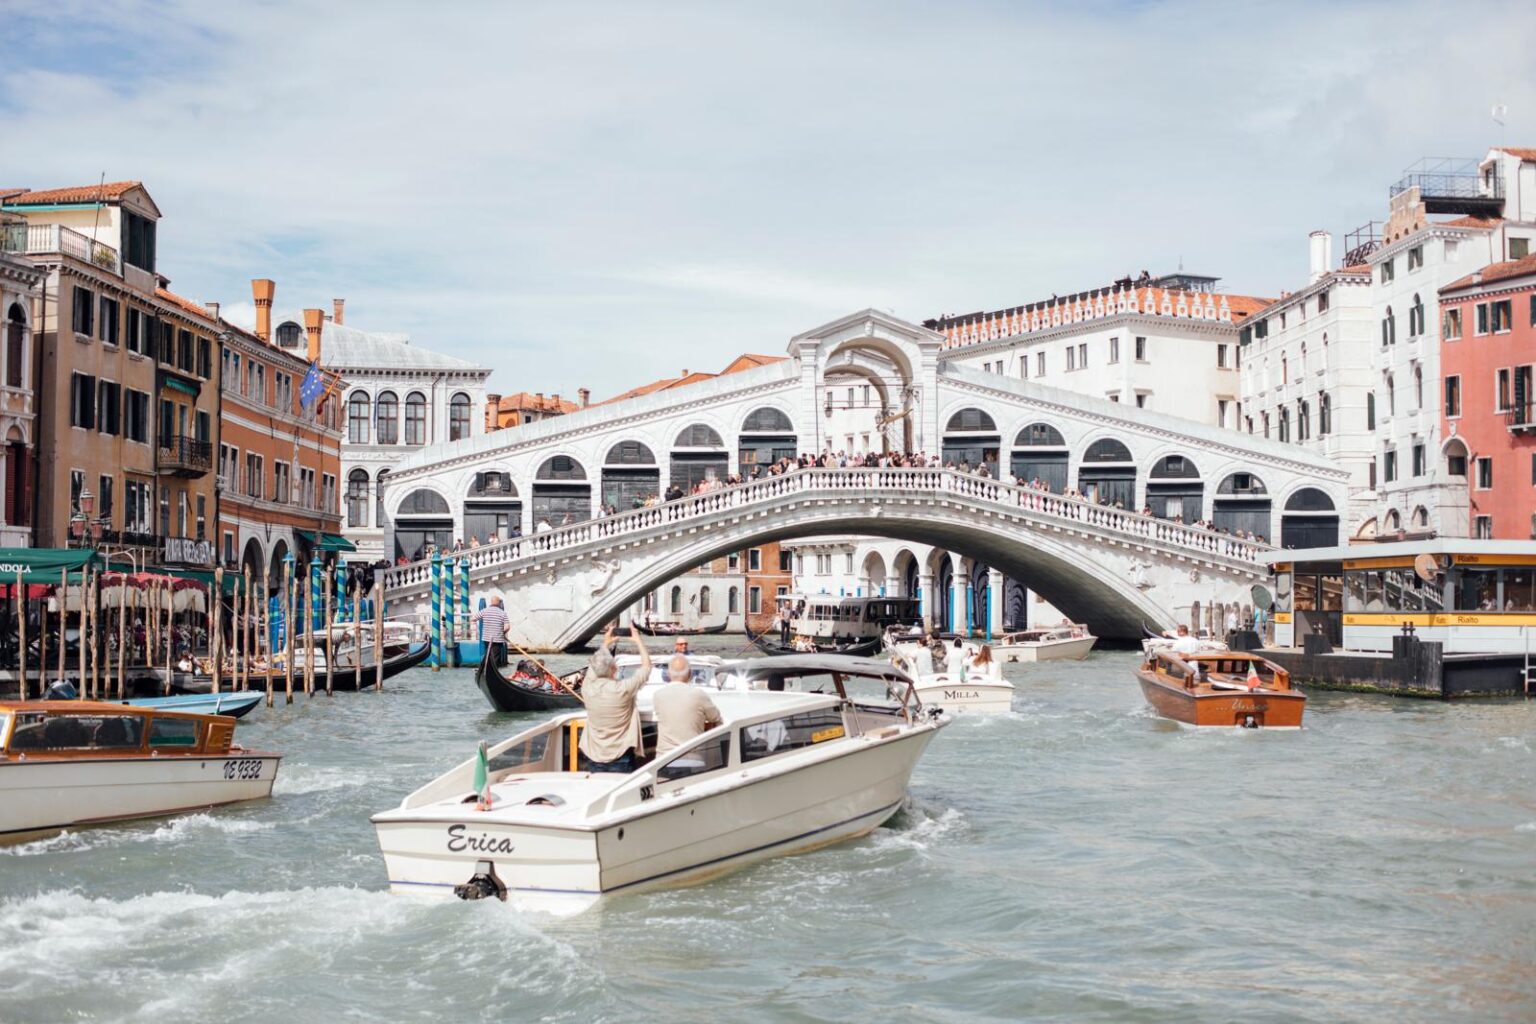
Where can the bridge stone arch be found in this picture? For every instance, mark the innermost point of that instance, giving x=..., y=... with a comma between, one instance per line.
x=1099, y=593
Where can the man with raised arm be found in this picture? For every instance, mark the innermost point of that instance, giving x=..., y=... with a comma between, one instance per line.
x=612, y=739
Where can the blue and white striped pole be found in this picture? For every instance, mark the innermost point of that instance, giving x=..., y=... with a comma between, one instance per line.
x=339, y=588
x=450, y=609
x=464, y=595
x=315, y=609
x=437, y=611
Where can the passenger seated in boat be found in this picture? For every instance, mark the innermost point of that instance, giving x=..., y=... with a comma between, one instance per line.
x=184, y=663
x=612, y=740
x=982, y=666
x=683, y=710
x=939, y=654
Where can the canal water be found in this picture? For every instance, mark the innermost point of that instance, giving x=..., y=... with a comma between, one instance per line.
x=1075, y=860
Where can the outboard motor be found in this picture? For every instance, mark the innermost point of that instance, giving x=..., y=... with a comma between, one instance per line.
x=61, y=689
x=482, y=884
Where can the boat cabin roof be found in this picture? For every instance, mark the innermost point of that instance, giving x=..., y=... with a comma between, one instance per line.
x=815, y=664
x=73, y=727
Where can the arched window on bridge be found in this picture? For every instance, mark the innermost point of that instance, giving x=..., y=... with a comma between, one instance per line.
x=699, y=454
x=971, y=437
x=357, y=498
x=1309, y=520
x=1040, y=453
x=766, y=436
x=1175, y=490
x=1107, y=474
x=423, y=519
x=630, y=476
x=492, y=508
x=733, y=601
x=1242, y=506
x=675, y=605
x=561, y=493
x=703, y=600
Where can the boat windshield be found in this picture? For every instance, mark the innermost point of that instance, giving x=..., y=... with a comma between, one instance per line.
x=36, y=730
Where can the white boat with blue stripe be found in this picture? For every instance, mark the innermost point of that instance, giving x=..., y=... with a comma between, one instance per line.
x=798, y=763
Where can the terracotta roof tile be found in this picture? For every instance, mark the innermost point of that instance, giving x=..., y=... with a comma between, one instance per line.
x=745, y=361
x=75, y=194
x=1519, y=152
x=1493, y=272
x=523, y=401
x=185, y=304
x=1470, y=222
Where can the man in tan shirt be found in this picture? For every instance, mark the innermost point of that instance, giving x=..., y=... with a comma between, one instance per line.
x=612, y=736
x=683, y=710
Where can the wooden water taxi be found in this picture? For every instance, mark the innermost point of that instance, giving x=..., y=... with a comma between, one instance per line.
x=65, y=764
x=1224, y=689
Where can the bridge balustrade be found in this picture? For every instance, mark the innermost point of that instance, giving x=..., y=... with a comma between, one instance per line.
x=895, y=482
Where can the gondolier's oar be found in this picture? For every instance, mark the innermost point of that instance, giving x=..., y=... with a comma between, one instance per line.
x=542, y=668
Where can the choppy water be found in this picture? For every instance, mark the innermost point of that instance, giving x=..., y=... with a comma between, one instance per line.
x=1076, y=860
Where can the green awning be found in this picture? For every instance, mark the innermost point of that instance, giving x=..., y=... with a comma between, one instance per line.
x=177, y=384
x=43, y=565
x=325, y=541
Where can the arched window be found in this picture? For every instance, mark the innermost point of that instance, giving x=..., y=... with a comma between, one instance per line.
x=1416, y=318
x=1391, y=395
x=676, y=603
x=1420, y=518
x=1303, y=420
x=766, y=436
x=1309, y=499
x=971, y=421
x=387, y=418
x=699, y=435
x=1107, y=450
x=15, y=345
x=733, y=601
x=358, y=415
x=1242, y=506
x=561, y=467
x=1040, y=435
x=1175, y=491
x=1107, y=475
x=766, y=421
x=422, y=522
x=1388, y=329
x=1324, y=414
x=703, y=600
x=1040, y=457
x=1370, y=410
x=289, y=334
x=1418, y=386
x=458, y=417
x=1285, y=370
x=357, y=498
x=629, y=453
x=1285, y=424
x=416, y=418
x=424, y=502
x=1394, y=522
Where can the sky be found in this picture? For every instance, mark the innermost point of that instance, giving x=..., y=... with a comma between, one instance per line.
x=596, y=195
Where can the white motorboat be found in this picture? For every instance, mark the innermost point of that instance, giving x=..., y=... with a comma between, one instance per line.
x=1067, y=642
x=973, y=695
x=789, y=770
x=64, y=764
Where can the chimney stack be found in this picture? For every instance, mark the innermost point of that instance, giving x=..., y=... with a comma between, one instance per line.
x=336, y=308
x=262, y=290
x=585, y=396
x=213, y=310
x=554, y=402
x=314, y=322
x=1319, y=255
x=492, y=412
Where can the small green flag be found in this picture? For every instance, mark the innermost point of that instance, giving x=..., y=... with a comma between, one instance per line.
x=483, y=777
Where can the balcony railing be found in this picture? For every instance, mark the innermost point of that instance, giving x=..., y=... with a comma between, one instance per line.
x=184, y=456
x=1521, y=419
x=1452, y=185
x=40, y=239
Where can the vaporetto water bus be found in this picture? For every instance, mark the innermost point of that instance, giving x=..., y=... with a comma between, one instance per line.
x=1446, y=617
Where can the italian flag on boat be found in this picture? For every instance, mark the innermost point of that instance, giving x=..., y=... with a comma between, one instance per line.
x=483, y=777
x=1254, y=683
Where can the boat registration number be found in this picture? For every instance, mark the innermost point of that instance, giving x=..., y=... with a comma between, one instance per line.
x=243, y=768
x=834, y=733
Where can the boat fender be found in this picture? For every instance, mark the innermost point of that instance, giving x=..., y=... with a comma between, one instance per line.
x=482, y=884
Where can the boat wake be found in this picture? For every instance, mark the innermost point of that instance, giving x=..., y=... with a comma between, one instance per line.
x=300, y=779
x=919, y=825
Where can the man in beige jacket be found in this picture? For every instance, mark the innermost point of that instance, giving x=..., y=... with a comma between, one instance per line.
x=612, y=737
x=683, y=710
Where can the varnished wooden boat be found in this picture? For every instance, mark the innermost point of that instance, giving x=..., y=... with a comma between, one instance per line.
x=1221, y=690
x=525, y=691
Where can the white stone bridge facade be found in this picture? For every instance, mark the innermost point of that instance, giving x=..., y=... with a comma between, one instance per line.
x=865, y=382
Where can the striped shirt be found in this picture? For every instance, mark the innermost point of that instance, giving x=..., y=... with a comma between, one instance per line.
x=493, y=620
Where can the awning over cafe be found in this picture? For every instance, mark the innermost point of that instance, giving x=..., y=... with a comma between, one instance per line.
x=326, y=541
x=43, y=565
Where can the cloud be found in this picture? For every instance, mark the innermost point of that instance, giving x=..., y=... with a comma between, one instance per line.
x=688, y=181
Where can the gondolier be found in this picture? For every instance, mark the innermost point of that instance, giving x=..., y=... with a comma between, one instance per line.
x=493, y=625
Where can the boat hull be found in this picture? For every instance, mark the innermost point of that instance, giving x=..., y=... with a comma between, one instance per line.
x=660, y=629
x=236, y=704
x=988, y=697
x=702, y=832
x=507, y=694
x=1075, y=649
x=1265, y=709
x=39, y=796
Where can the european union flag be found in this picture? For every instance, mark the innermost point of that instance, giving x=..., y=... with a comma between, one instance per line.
x=312, y=387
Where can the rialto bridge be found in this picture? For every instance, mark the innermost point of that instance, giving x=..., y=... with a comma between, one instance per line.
x=864, y=382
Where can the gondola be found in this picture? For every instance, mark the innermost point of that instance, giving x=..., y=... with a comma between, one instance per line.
x=673, y=629
x=509, y=693
x=854, y=648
